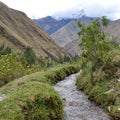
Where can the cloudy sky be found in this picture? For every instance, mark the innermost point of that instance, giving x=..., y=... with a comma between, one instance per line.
x=63, y=8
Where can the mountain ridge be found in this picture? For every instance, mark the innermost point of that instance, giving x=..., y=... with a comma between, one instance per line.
x=50, y=24
x=18, y=32
x=67, y=36
x=113, y=28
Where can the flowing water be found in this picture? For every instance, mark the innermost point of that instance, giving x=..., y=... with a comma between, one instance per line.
x=76, y=104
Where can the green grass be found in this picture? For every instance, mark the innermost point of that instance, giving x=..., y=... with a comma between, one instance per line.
x=32, y=97
x=106, y=91
x=32, y=101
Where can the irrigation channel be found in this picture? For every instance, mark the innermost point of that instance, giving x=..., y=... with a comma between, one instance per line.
x=76, y=104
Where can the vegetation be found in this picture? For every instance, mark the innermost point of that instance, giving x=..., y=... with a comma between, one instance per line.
x=10, y=68
x=100, y=63
x=13, y=66
x=32, y=97
x=95, y=48
x=30, y=56
x=5, y=50
x=105, y=21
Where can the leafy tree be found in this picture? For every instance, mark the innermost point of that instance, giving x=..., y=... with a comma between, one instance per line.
x=30, y=56
x=105, y=21
x=95, y=45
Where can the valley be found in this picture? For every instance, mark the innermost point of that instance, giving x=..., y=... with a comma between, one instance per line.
x=40, y=60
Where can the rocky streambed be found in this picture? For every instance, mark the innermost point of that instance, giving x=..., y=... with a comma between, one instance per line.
x=76, y=104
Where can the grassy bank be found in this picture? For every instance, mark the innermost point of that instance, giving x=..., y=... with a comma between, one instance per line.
x=32, y=97
x=106, y=88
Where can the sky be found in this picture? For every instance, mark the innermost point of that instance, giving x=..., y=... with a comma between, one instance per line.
x=66, y=8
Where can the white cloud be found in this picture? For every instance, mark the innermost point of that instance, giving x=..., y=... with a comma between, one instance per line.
x=41, y=8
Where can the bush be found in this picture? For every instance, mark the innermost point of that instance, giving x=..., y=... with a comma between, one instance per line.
x=10, y=68
x=5, y=50
x=30, y=56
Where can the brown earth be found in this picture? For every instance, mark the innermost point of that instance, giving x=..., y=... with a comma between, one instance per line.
x=18, y=32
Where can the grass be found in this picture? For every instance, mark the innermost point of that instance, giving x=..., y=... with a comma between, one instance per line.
x=32, y=101
x=32, y=97
x=106, y=91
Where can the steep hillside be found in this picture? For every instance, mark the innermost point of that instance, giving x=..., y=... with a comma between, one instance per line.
x=50, y=25
x=68, y=33
x=73, y=48
x=114, y=28
x=18, y=31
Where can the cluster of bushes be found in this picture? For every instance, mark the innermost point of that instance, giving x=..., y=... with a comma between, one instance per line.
x=10, y=68
x=15, y=65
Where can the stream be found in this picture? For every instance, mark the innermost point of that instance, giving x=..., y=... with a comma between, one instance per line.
x=76, y=104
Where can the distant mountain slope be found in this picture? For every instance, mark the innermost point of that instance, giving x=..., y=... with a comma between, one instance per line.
x=18, y=31
x=73, y=48
x=68, y=33
x=114, y=28
x=50, y=25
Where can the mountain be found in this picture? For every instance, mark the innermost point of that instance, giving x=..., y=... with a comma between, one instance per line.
x=113, y=29
x=50, y=25
x=73, y=48
x=18, y=32
x=67, y=35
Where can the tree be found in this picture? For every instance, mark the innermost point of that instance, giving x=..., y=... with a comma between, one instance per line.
x=30, y=56
x=105, y=21
x=95, y=45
